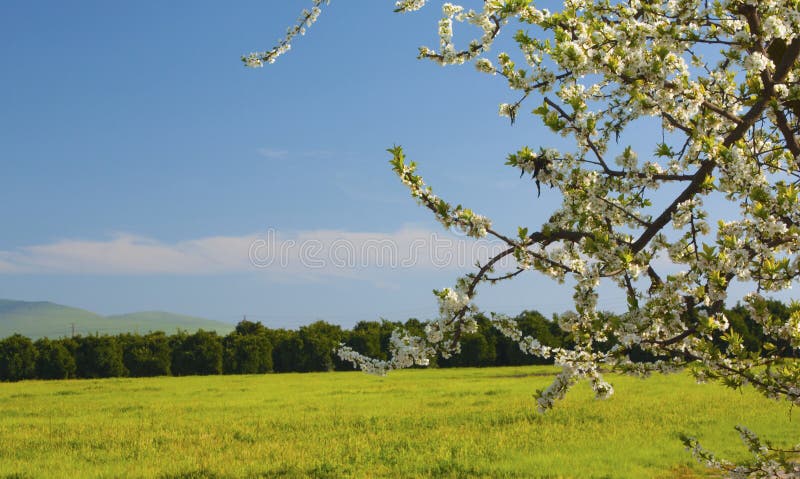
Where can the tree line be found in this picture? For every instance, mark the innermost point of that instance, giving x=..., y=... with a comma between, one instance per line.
x=253, y=348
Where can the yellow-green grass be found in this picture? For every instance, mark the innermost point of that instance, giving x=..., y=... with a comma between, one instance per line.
x=419, y=423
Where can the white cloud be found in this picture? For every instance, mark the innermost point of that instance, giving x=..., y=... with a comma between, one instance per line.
x=304, y=255
x=130, y=254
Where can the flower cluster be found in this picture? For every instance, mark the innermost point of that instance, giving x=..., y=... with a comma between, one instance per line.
x=406, y=351
x=307, y=18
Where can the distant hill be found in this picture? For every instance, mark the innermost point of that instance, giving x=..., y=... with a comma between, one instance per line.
x=37, y=319
x=156, y=321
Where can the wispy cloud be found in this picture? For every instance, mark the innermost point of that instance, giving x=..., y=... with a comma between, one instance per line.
x=273, y=154
x=5, y=266
x=292, y=256
x=131, y=254
x=283, y=154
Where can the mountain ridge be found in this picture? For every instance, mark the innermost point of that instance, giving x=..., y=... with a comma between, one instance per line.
x=37, y=319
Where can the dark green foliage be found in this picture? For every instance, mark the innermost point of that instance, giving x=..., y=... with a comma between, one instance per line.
x=367, y=337
x=311, y=348
x=247, y=328
x=478, y=349
x=287, y=350
x=475, y=352
x=253, y=348
x=320, y=340
x=750, y=331
x=17, y=358
x=99, y=357
x=55, y=360
x=782, y=312
x=372, y=338
x=247, y=350
x=148, y=355
x=199, y=353
x=531, y=323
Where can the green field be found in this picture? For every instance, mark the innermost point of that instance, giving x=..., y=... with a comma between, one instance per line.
x=419, y=423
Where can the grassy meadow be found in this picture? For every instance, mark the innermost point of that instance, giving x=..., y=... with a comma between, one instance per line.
x=419, y=423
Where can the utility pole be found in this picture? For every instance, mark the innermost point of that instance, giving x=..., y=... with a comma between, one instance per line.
x=73, y=330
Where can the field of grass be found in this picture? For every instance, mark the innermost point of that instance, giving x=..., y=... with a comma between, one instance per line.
x=420, y=423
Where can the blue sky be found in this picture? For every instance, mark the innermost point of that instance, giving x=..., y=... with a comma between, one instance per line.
x=141, y=160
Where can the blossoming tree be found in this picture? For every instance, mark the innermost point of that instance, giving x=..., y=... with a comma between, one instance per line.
x=721, y=77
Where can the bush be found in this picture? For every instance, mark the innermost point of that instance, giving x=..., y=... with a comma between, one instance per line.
x=199, y=353
x=148, y=355
x=99, y=357
x=247, y=354
x=54, y=360
x=17, y=358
